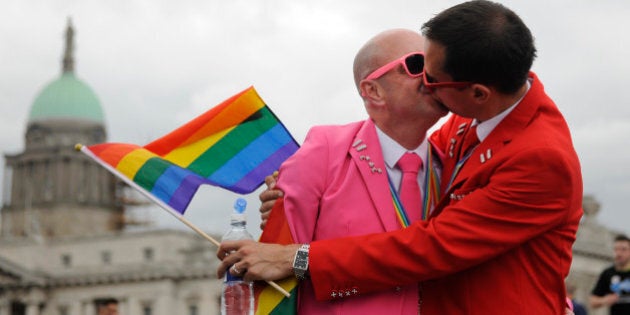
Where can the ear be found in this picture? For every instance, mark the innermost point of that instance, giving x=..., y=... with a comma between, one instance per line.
x=371, y=91
x=481, y=93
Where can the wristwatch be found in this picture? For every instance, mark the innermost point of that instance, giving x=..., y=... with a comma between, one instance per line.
x=300, y=262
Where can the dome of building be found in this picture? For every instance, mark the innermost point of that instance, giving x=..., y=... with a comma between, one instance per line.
x=66, y=98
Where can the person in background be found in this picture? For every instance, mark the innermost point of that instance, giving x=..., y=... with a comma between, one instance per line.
x=107, y=306
x=500, y=240
x=613, y=287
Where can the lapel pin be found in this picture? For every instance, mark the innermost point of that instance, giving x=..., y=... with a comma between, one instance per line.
x=485, y=157
x=376, y=170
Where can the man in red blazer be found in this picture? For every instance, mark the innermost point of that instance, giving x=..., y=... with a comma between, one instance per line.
x=500, y=240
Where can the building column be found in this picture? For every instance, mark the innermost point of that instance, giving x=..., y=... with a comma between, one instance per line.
x=123, y=306
x=88, y=308
x=33, y=301
x=32, y=308
x=4, y=307
x=166, y=303
x=132, y=306
x=75, y=308
x=7, y=181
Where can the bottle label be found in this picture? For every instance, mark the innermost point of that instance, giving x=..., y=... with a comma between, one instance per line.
x=229, y=277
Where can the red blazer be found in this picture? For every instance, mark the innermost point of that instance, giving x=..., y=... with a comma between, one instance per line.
x=500, y=240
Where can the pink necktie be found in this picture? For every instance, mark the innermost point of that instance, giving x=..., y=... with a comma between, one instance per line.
x=410, y=164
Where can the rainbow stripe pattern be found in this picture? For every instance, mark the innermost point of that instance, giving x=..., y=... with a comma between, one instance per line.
x=267, y=299
x=234, y=145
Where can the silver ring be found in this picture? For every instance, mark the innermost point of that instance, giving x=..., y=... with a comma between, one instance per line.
x=238, y=272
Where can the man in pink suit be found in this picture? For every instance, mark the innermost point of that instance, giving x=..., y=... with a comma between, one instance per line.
x=500, y=240
x=337, y=183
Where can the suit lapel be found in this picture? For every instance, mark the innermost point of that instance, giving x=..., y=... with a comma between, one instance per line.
x=367, y=155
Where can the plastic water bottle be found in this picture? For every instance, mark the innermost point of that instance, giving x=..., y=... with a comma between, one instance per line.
x=237, y=297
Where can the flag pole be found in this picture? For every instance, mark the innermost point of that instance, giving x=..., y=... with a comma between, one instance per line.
x=164, y=206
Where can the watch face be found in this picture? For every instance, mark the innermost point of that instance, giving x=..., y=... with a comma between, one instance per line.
x=300, y=264
x=301, y=260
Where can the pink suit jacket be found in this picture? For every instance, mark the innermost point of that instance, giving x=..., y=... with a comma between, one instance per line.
x=336, y=185
x=500, y=240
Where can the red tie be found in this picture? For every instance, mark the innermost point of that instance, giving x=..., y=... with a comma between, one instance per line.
x=469, y=142
x=410, y=164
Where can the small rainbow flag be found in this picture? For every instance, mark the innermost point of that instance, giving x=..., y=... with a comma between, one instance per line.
x=233, y=145
x=269, y=300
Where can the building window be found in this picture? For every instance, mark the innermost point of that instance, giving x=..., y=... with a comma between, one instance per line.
x=63, y=310
x=66, y=260
x=192, y=310
x=148, y=254
x=106, y=257
x=147, y=310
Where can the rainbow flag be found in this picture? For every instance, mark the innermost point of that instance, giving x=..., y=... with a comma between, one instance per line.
x=233, y=145
x=268, y=300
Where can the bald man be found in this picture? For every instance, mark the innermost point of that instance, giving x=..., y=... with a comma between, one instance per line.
x=338, y=183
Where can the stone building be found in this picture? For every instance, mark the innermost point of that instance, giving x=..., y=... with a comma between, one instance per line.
x=63, y=237
x=153, y=272
x=47, y=184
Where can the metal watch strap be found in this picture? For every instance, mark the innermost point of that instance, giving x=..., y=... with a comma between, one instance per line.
x=300, y=262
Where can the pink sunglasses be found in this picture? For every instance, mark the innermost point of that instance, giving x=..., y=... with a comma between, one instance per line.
x=413, y=63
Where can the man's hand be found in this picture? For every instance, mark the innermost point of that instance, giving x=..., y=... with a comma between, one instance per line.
x=606, y=300
x=610, y=299
x=256, y=261
x=268, y=198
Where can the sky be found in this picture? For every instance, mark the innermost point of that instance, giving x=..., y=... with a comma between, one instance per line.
x=157, y=64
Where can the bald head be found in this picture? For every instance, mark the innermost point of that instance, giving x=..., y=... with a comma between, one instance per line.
x=383, y=48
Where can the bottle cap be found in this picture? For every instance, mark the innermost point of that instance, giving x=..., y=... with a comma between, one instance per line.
x=239, y=205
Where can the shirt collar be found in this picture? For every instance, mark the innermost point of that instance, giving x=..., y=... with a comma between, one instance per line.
x=393, y=151
x=486, y=127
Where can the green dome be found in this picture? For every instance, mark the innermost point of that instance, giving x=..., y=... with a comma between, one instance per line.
x=67, y=97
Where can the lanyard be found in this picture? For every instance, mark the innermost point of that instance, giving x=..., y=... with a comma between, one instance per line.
x=431, y=186
x=458, y=166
